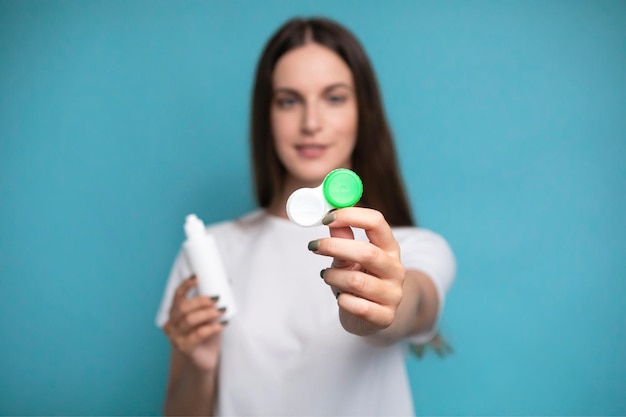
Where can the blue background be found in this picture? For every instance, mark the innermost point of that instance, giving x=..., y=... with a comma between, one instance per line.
x=117, y=118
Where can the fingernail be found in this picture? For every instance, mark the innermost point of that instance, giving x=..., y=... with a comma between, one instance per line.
x=224, y=323
x=337, y=294
x=221, y=309
x=322, y=273
x=215, y=298
x=314, y=245
x=329, y=218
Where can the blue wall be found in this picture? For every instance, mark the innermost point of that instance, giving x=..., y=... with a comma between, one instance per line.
x=117, y=118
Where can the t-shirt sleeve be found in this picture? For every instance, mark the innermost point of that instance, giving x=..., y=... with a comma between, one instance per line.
x=180, y=272
x=429, y=253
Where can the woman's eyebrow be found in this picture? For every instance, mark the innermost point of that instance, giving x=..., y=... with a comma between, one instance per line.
x=338, y=85
x=287, y=90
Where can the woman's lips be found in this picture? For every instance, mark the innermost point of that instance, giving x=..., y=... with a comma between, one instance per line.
x=310, y=151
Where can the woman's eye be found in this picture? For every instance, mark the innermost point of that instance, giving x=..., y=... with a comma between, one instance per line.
x=336, y=99
x=286, y=102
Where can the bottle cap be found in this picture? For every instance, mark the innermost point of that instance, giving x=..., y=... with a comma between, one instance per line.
x=342, y=188
x=194, y=227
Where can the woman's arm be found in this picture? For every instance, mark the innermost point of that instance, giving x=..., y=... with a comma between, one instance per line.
x=191, y=391
x=378, y=298
x=417, y=312
x=194, y=331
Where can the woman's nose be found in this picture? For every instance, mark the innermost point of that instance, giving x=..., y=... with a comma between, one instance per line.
x=311, y=119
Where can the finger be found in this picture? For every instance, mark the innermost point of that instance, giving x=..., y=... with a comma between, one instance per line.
x=372, y=258
x=343, y=233
x=198, y=317
x=363, y=285
x=180, y=295
x=336, y=231
x=200, y=302
x=183, y=289
x=373, y=222
x=190, y=305
x=202, y=333
x=374, y=315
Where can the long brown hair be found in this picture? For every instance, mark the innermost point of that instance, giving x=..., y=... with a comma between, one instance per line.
x=374, y=156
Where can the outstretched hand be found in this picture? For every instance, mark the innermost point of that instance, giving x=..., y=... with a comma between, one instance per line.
x=366, y=277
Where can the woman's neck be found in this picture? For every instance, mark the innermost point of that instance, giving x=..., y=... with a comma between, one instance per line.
x=277, y=208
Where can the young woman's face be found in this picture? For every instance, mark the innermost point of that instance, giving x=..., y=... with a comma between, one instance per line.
x=313, y=113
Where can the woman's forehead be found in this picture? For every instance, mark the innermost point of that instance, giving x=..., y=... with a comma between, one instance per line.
x=311, y=66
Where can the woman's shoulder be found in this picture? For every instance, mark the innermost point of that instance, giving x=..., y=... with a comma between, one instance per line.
x=418, y=242
x=426, y=250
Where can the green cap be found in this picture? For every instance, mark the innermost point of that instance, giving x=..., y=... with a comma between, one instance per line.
x=342, y=188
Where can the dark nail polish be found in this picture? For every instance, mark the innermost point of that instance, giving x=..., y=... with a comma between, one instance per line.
x=314, y=245
x=224, y=323
x=337, y=294
x=221, y=309
x=322, y=273
x=215, y=298
x=329, y=218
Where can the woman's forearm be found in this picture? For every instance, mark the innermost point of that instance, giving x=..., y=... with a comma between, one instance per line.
x=191, y=391
x=416, y=313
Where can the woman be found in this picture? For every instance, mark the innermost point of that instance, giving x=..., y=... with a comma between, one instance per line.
x=297, y=347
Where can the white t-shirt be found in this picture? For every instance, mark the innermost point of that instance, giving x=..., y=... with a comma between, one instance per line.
x=285, y=352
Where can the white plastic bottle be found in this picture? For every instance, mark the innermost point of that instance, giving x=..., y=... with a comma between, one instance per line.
x=205, y=262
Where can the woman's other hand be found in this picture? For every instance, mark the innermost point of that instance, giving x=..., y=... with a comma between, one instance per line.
x=194, y=326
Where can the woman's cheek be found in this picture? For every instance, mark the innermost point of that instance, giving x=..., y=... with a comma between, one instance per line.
x=284, y=128
x=345, y=128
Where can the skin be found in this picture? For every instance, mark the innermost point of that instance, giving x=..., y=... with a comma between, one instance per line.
x=313, y=109
x=194, y=331
x=314, y=124
x=377, y=297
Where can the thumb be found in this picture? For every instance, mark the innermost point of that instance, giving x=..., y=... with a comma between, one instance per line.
x=343, y=233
